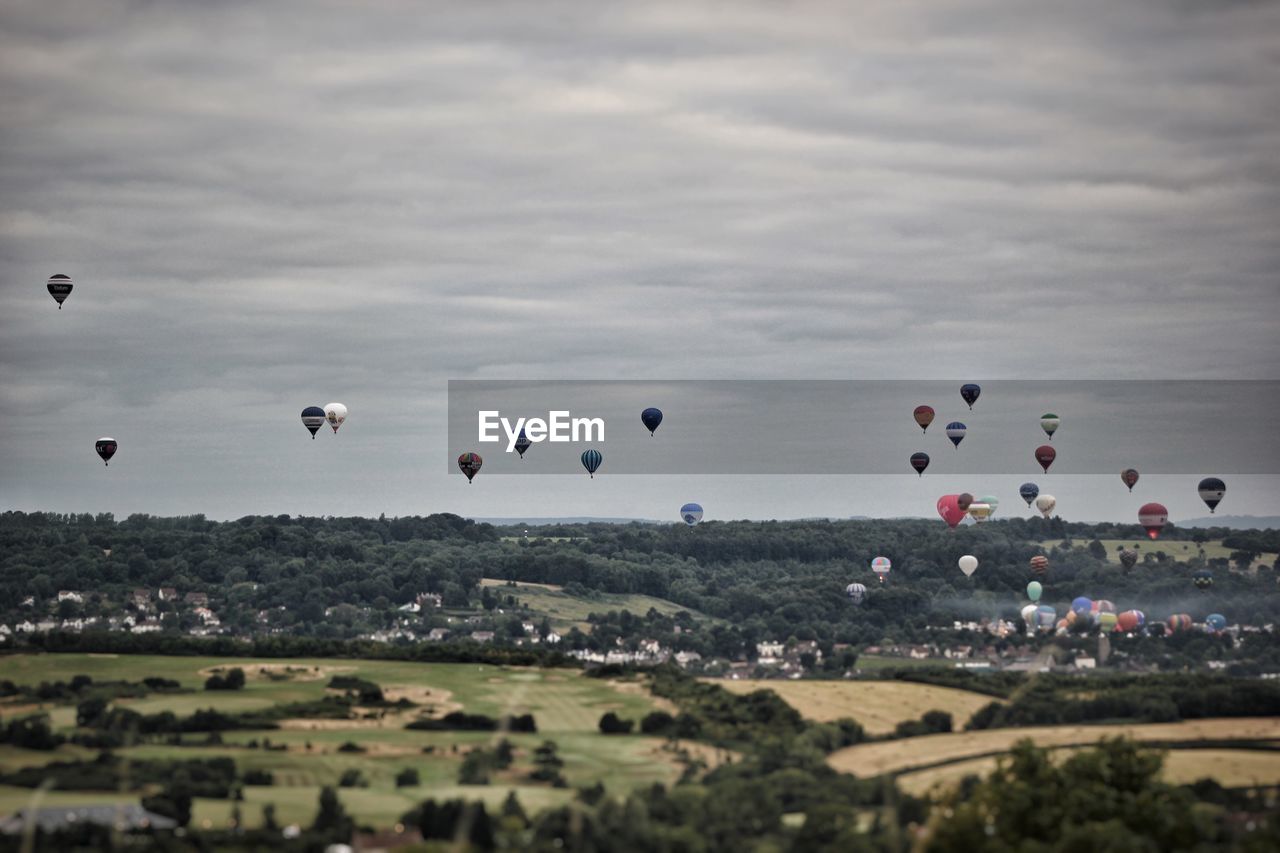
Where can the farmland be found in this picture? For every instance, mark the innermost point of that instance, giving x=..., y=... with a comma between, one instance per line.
x=877, y=705
x=1180, y=551
x=567, y=611
x=307, y=753
x=900, y=756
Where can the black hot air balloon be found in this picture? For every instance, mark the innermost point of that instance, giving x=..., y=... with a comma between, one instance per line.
x=106, y=448
x=969, y=393
x=651, y=418
x=469, y=464
x=920, y=461
x=522, y=443
x=60, y=288
x=1212, y=491
x=1128, y=558
x=1129, y=476
x=1203, y=579
x=313, y=419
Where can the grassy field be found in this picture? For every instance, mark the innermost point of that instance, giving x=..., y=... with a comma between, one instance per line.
x=1179, y=551
x=1230, y=767
x=877, y=705
x=873, y=759
x=566, y=611
x=566, y=705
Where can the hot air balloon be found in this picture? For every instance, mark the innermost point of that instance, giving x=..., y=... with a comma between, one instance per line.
x=691, y=513
x=1179, y=622
x=651, y=418
x=969, y=393
x=924, y=416
x=968, y=564
x=1129, y=476
x=469, y=464
x=1029, y=617
x=1215, y=622
x=980, y=511
x=920, y=461
x=335, y=414
x=1049, y=423
x=949, y=509
x=1046, y=503
x=1153, y=518
x=1130, y=621
x=1101, y=606
x=1106, y=621
x=964, y=500
x=591, y=460
x=1128, y=558
x=991, y=501
x=1034, y=590
x=1203, y=579
x=60, y=288
x=1045, y=617
x=1211, y=492
x=522, y=443
x=106, y=448
x=955, y=432
x=313, y=419
x=1045, y=456
x=1028, y=492
x=1039, y=565
x=881, y=566
x=1081, y=605
x=856, y=592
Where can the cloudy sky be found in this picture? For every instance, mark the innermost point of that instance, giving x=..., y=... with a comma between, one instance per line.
x=269, y=206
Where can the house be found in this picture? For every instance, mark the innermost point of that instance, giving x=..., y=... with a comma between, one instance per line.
x=769, y=653
x=70, y=595
x=141, y=598
x=918, y=652
x=206, y=615
x=44, y=626
x=167, y=593
x=122, y=818
x=528, y=627
x=197, y=599
x=1086, y=663
x=411, y=607
x=24, y=627
x=150, y=626
x=686, y=658
x=430, y=599
x=435, y=635
x=552, y=637
x=29, y=601
x=958, y=652
x=650, y=647
x=5, y=629
x=806, y=647
x=482, y=636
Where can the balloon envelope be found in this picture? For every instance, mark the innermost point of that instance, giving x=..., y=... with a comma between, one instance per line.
x=335, y=414
x=1028, y=491
x=469, y=464
x=1081, y=604
x=591, y=460
x=968, y=564
x=1179, y=622
x=1029, y=615
x=856, y=592
x=313, y=419
x=522, y=443
x=1106, y=621
x=1039, y=565
x=1130, y=620
x=1129, y=476
x=924, y=416
x=651, y=418
x=969, y=393
x=1034, y=590
x=1049, y=423
x=949, y=509
x=691, y=513
x=881, y=566
x=1045, y=456
x=1153, y=517
x=980, y=511
x=1128, y=558
x=1215, y=621
x=1212, y=491
x=991, y=501
x=920, y=461
x=1203, y=579
x=1045, y=616
x=964, y=500
x=955, y=432
x=106, y=448
x=1046, y=503
x=60, y=288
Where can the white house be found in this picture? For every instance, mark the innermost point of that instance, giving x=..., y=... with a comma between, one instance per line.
x=70, y=595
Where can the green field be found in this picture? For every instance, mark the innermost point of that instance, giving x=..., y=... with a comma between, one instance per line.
x=566, y=611
x=1176, y=550
x=566, y=705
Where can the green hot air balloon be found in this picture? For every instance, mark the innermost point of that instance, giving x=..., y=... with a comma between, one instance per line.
x=1034, y=590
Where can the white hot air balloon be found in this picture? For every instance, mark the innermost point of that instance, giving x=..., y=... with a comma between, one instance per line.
x=335, y=414
x=968, y=564
x=1046, y=503
x=1029, y=617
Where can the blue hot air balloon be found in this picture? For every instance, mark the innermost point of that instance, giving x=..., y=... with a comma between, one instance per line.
x=313, y=419
x=691, y=513
x=1081, y=605
x=955, y=432
x=651, y=418
x=522, y=443
x=1029, y=491
x=1215, y=622
x=591, y=460
x=969, y=393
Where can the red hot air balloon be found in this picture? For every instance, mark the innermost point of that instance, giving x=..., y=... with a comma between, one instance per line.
x=469, y=464
x=1039, y=565
x=1130, y=620
x=949, y=509
x=1129, y=476
x=964, y=500
x=1045, y=456
x=1153, y=518
x=924, y=416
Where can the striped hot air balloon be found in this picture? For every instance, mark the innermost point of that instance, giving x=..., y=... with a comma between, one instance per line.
x=1039, y=565
x=591, y=460
x=60, y=288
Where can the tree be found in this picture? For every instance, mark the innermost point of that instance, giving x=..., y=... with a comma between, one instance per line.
x=511, y=808
x=407, y=778
x=331, y=818
x=547, y=764
x=612, y=724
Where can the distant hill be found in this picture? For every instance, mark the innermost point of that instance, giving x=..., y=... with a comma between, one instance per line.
x=542, y=522
x=1240, y=522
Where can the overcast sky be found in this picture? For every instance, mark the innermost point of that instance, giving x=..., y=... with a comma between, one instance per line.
x=270, y=206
